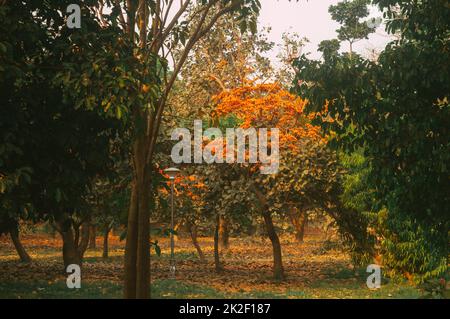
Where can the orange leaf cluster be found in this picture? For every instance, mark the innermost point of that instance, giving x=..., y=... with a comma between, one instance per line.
x=270, y=106
x=184, y=185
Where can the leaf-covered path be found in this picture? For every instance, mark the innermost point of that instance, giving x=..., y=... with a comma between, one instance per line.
x=314, y=269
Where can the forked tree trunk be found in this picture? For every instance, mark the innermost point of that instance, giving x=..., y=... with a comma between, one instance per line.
x=23, y=255
x=105, y=242
x=193, y=232
x=74, y=247
x=217, y=263
x=137, y=256
x=298, y=220
x=70, y=251
x=224, y=233
x=93, y=237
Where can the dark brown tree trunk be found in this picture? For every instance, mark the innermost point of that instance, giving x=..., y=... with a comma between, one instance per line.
x=224, y=233
x=84, y=240
x=298, y=220
x=105, y=242
x=93, y=237
x=193, y=231
x=143, y=248
x=76, y=234
x=217, y=263
x=70, y=251
x=74, y=247
x=24, y=257
x=278, y=271
x=137, y=250
x=131, y=246
x=303, y=220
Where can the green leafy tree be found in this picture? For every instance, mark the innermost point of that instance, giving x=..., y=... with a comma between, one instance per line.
x=397, y=109
x=53, y=149
x=349, y=14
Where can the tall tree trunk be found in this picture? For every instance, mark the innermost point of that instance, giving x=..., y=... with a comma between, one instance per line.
x=143, y=248
x=217, y=263
x=193, y=231
x=298, y=220
x=93, y=237
x=24, y=257
x=105, y=242
x=224, y=233
x=137, y=249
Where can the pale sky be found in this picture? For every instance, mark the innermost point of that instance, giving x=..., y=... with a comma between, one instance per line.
x=310, y=19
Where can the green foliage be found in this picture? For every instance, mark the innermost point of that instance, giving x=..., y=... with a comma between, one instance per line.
x=349, y=14
x=50, y=150
x=356, y=193
x=358, y=197
x=418, y=249
x=416, y=20
x=397, y=109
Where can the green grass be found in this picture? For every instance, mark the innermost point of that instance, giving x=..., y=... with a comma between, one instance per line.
x=172, y=289
x=59, y=290
x=168, y=289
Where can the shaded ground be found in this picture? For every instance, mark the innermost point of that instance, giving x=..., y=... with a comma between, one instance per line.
x=312, y=272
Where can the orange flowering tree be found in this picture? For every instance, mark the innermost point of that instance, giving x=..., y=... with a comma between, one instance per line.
x=307, y=174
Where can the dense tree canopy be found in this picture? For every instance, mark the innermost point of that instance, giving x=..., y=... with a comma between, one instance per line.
x=398, y=112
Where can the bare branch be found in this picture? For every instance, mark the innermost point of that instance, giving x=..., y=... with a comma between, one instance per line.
x=218, y=81
x=174, y=20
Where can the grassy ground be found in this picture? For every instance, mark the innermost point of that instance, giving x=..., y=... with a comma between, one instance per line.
x=312, y=272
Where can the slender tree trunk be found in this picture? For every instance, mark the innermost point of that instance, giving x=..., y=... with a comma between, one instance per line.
x=224, y=233
x=84, y=240
x=193, y=232
x=217, y=263
x=137, y=249
x=298, y=220
x=131, y=246
x=76, y=234
x=105, y=242
x=24, y=257
x=278, y=271
x=93, y=237
x=303, y=220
